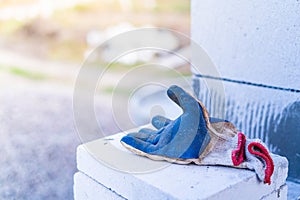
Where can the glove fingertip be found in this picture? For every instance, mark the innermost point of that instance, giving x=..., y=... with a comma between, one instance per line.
x=173, y=93
x=160, y=121
x=127, y=139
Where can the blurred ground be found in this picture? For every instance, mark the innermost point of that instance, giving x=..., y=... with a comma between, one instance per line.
x=38, y=142
x=38, y=136
x=40, y=56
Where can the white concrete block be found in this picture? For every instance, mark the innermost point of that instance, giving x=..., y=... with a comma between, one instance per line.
x=271, y=115
x=256, y=41
x=88, y=189
x=171, y=181
x=279, y=194
x=293, y=190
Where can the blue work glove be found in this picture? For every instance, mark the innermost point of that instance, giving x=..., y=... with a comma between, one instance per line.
x=194, y=137
x=184, y=138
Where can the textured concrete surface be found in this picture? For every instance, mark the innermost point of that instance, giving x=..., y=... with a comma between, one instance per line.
x=256, y=41
x=255, y=48
x=171, y=181
x=270, y=115
x=281, y=193
x=293, y=190
x=87, y=188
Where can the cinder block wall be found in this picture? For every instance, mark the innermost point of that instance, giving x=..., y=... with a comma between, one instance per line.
x=255, y=46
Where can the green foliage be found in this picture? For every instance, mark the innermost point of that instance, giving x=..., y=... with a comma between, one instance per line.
x=10, y=26
x=23, y=73
x=27, y=74
x=82, y=7
x=176, y=6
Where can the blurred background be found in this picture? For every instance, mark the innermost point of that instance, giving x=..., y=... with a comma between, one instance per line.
x=43, y=44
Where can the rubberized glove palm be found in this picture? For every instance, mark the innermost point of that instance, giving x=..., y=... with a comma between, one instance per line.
x=181, y=139
x=194, y=137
